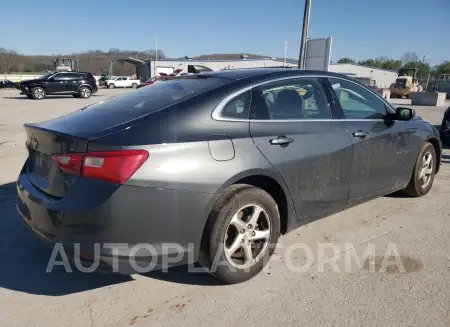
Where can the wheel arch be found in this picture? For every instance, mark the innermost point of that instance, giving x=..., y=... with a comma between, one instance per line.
x=84, y=85
x=268, y=181
x=437, y=148
x=38, y=85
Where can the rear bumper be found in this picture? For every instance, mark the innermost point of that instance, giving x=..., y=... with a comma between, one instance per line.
x=136, y=229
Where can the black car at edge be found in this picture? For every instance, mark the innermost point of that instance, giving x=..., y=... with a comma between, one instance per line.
x=77, y=84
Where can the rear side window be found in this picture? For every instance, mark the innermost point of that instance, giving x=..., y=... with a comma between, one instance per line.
x=150, y=99
x=238, y=107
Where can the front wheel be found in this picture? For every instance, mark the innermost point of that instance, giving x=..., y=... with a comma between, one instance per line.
x=423, y=173
x=38, y=93
x=111, y=86
x=243, y=234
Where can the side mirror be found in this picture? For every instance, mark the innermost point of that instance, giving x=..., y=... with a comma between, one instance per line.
x=404, y=113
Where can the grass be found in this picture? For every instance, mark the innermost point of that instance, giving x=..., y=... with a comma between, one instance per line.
x=25, y=73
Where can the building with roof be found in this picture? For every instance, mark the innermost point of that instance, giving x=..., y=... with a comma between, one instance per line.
x=145, y=69
x=381, y=78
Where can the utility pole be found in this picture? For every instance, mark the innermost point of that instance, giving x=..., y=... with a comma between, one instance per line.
x=302, y=55
x=8, y=64
x=156, y=45
x=285, y=53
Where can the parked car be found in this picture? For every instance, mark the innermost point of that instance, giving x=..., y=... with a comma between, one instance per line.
x=445, y=127
x=219, y=163
x=77, y=84
x=7, y=84
x=123, y=81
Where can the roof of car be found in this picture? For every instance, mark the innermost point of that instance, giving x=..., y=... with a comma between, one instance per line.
x=235, y=74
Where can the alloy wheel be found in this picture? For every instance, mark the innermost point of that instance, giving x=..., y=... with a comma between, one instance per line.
x=85, y=93
x=39, y=93
x=426, y=170
x=247, y=237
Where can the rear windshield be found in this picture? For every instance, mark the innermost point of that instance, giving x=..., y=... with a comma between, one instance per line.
x=156, y=96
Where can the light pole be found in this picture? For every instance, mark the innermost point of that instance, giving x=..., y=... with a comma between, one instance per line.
x=156, y=46
x=285, y=53
x=302, y=55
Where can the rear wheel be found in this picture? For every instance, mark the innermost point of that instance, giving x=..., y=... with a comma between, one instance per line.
x=134, y=85
x=244, y=231
x=85, y=92
x=38, y=93
x=423, y=173
x=111, y=86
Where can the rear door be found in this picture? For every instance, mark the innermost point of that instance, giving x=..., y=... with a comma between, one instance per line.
x=73, y=80
x=380, y=146
x=292, y=125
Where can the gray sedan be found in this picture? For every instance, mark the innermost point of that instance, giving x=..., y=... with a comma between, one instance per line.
x=213, y=168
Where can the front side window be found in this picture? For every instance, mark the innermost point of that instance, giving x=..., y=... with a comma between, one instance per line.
x=59, y=77
x=357, y=102
x=291, y=99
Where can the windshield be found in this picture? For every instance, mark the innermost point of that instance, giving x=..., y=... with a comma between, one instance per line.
x=150, y=99
x=47, y=75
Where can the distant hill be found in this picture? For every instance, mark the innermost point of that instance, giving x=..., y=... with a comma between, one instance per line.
x=97, y=61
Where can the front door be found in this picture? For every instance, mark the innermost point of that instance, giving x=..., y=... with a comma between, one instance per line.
x=291, y=124
x=56, y=84
x=381, y=155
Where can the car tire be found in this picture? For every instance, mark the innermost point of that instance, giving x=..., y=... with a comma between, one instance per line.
x=84, y=92
x=111, y=86
x=423, y=173
x=38, y=93
x=236, y=233
x=134, y=85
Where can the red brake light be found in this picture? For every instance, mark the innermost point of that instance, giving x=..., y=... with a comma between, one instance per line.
x=112, y=166
x=69, y=163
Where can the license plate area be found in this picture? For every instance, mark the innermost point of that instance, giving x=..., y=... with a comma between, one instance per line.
x=39, y=163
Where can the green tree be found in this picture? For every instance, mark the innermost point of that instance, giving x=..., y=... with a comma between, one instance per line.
x=346, y=60
x=369, y=62
x=443, y=68
x=423, y=68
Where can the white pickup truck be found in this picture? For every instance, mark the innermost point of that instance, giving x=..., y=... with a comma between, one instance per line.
x=123, y=81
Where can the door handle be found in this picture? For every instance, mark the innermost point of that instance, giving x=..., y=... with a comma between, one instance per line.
x=360, y=134
x=281, y=140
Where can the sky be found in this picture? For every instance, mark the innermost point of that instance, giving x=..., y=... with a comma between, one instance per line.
x=360, y=29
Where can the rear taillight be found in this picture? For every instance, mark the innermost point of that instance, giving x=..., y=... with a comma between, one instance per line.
x=111, y=166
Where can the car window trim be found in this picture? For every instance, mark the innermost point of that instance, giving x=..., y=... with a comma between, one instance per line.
x=216, y=114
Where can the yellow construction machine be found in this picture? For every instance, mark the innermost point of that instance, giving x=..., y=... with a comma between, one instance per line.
x=406, y=83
